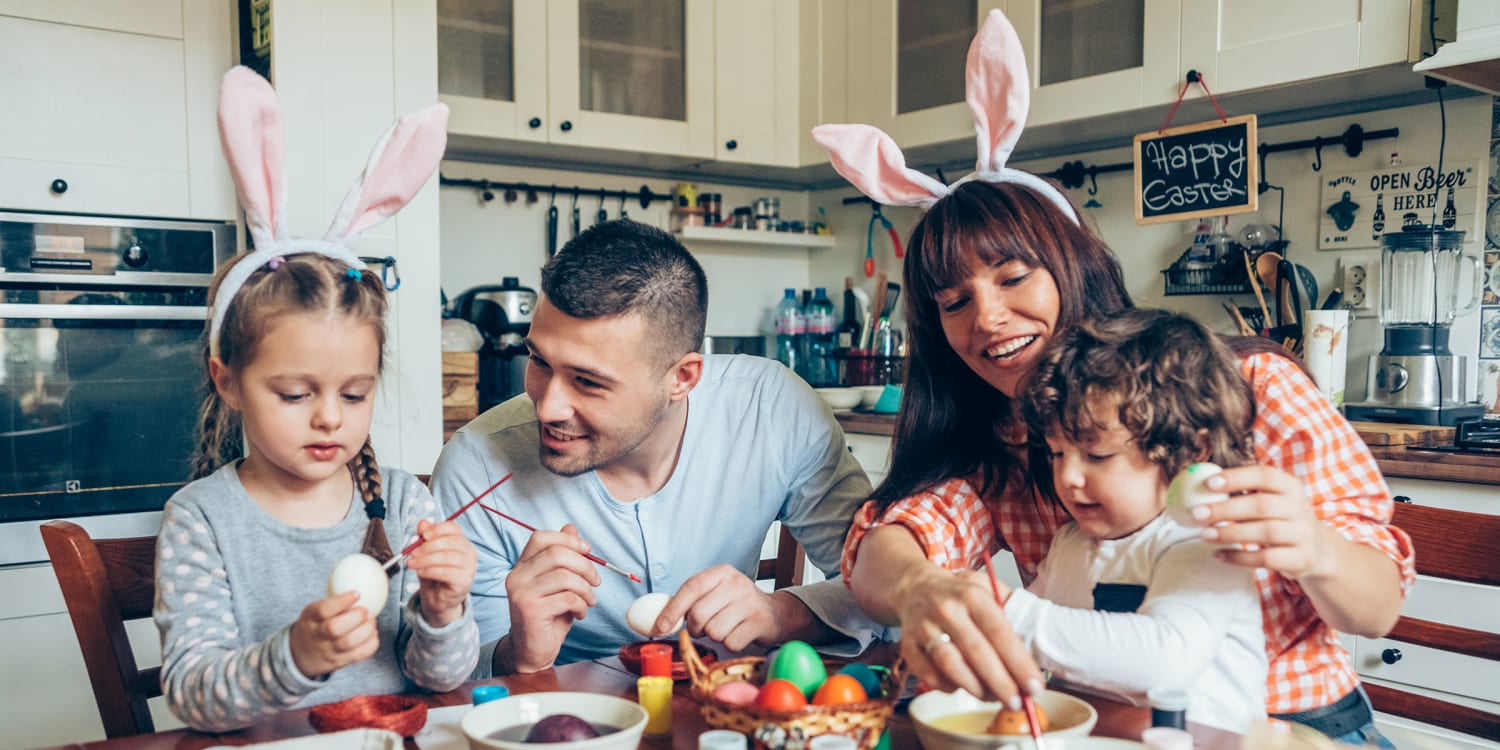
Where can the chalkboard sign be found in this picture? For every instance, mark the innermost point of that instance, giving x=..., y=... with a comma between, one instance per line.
x=1208, y=169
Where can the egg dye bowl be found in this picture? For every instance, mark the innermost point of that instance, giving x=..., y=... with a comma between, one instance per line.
x=1068, y=717
x=630, y=656
x=524, y=710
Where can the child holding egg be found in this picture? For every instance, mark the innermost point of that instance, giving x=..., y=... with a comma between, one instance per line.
x=1129, y=599
x=295, y=344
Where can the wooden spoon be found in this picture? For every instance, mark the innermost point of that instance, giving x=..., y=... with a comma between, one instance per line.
x=1255, y=287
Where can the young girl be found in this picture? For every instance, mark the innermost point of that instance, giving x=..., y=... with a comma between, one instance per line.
x=295, y=346
x=1126, y=599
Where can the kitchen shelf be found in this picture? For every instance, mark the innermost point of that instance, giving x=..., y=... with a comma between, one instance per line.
x=754, y=237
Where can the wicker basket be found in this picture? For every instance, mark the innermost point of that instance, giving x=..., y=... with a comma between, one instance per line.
x=785, y=730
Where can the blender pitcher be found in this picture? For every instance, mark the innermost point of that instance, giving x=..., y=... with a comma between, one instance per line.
x=1421, y=266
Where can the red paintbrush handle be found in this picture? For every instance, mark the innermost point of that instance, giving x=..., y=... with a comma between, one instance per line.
x=458, y=512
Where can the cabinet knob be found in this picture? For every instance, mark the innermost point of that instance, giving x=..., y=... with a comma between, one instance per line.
x=535, y=122
x=566, y=125
x=1402, y=499
x=1390, y=655
x=59, y=186
x=732, y=144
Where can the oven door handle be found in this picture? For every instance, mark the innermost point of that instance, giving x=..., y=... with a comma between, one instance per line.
x=22, y=311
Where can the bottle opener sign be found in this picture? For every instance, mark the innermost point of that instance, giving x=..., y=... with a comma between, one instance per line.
x=1358, y=207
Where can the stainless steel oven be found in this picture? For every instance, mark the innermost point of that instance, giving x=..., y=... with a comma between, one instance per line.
x=101, y=375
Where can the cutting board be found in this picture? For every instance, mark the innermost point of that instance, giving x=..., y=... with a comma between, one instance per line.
x=1379, y=433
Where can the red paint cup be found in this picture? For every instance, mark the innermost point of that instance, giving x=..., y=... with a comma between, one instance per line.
x=656, y=660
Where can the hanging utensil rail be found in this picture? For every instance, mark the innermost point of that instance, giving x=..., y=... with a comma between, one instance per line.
x=487, y=189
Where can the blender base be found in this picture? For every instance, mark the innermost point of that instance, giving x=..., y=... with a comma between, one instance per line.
x=1446, y=415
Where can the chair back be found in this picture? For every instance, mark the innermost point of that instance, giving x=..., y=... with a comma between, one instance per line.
x=1459, y=546
x=106, y=582
x=786, y=567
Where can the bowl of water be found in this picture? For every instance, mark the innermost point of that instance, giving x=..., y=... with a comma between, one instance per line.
x=505, y=724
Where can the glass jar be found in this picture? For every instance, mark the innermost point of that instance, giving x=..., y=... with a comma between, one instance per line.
x=742, y=218
x=713, y=207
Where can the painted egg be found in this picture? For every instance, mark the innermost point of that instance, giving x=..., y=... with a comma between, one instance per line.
x=839, y=690
x=797, y=663
x=1187, y=490
x=642, y=614
x=1007, y=721
x=867, y=677
x=362, y=573
x=739, y=692
x=780, y=695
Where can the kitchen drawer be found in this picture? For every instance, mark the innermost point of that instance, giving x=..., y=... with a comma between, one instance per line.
x=872, y=451
x=93, y=189
x=1466, y=496
x=1450, y=602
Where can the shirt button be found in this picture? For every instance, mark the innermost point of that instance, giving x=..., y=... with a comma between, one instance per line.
x=658, y=570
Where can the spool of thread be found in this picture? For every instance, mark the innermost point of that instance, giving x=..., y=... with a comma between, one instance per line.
x=1167, y=738
x=656, y=660
x=722, y=739
x=655, y=695
x=1168, y=707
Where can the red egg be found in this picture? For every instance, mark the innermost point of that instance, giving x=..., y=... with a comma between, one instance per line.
x=840, y=689
x=780, y=695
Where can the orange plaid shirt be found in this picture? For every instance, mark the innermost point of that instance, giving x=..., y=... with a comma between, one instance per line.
x=1296, y=429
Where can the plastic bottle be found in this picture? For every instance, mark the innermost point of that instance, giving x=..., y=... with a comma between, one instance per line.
x=789, y=328
x=822, y=368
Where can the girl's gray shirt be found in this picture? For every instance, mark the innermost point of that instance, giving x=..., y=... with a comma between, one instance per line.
x=231, y=580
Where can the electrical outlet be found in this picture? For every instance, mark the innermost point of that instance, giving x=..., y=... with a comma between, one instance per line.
x=1359, y=277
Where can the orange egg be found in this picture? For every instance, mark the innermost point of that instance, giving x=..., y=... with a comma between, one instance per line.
x=780, y=695
x=1014, y=722
x=840, y=689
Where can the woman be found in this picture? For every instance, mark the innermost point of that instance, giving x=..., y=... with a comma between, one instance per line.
x=997, y=266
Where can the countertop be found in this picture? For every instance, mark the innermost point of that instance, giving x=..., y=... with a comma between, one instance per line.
x=1397, y=448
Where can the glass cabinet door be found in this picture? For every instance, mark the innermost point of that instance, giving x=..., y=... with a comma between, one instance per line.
x=932, y=47
x=634, y=74
x=491, y=67
x=1082, y=38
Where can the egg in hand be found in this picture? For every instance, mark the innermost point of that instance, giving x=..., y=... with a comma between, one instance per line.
x=362, y=573
x=642, y=614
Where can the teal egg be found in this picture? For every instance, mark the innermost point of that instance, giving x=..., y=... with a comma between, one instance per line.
x=866, y=676
x=885, y=741
x=797, y=663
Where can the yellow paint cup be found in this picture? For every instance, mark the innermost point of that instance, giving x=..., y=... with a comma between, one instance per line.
x=655, y=695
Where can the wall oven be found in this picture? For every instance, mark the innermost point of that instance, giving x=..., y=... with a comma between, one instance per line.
x=101, y=374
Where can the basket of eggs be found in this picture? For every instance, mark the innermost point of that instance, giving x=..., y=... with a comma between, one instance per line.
x=792, y=697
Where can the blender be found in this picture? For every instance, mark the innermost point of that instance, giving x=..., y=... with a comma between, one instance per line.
x=1416, y=379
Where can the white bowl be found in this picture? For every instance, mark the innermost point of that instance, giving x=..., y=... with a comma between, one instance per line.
x=1067, y=717
x=840, y=399
x=526, y=709
x=869, y=395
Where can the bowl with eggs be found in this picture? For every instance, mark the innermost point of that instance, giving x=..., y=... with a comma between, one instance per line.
x=959, y=721
x=562, y=721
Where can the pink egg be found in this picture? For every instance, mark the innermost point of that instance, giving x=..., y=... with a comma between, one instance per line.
x=739, y=693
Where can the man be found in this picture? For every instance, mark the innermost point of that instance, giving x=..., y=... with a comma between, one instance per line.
x=644, y=452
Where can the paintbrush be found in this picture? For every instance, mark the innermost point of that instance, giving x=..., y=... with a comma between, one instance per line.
x=592, y=557
x=391, y=563
x=1032, y=719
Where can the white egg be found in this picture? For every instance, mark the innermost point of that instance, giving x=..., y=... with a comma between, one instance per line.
x=641, y=617
x=1187, y=490
x=362, y=573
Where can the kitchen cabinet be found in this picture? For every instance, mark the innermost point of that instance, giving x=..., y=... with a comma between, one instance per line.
x=632, y=75
x=116, y=111
x=906, y=66
x=1441, y=674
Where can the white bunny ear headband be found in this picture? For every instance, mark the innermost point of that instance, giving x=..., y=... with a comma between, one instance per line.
x=998, y=91
x=250, y=128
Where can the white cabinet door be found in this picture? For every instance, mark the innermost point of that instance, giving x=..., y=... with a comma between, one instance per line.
x=756, y=81
x=1239, y=46
x=102, y=111
x=1096, y=57
x=631, y=75
x=154, y=17
x=911, y=85
x=873, y=452
x=492, y=67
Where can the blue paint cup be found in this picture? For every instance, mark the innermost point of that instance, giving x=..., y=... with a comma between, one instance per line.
x=487, y=693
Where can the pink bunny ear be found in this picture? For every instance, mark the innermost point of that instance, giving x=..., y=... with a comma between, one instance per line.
x=404, y=157
x=998, y=90
x=254, y=146
x=873, y=162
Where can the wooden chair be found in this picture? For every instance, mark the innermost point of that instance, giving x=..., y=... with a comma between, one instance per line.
x=1463, y=547
x=106, y=582
x=786, y=567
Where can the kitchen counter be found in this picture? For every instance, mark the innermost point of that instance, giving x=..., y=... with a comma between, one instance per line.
x=1391, y=444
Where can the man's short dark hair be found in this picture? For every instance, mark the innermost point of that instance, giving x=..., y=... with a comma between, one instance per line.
x=624, y=266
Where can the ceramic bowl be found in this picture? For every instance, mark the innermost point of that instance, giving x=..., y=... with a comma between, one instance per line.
x=935, y=714
x=518, y=712
x=869, y=395
x=840, y=399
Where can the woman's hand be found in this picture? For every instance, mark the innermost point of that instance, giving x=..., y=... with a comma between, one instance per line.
x=332, y=633
x=1269, y=522
x=955, y=635
x=445, y=565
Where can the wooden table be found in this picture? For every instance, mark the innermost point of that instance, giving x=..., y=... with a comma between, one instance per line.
x=609, y=677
